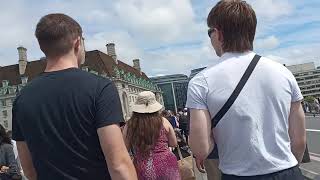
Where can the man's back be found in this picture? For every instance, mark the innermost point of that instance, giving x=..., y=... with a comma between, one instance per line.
x=253, y=136
x=58, y=115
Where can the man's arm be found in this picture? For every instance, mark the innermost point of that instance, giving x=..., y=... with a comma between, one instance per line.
x=26, y=160
x=297, y=131
x=201, y=137
x=116, y=154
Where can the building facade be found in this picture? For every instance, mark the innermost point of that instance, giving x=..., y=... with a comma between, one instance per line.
x=308, y=78
x=129, y=80
x=174, y=90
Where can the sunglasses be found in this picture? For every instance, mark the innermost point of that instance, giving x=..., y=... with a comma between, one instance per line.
x=210, y=31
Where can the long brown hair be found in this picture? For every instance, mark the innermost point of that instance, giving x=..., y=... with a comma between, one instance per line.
x=144, y=130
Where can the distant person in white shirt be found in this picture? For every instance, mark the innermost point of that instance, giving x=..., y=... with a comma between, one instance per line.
x=262, y=136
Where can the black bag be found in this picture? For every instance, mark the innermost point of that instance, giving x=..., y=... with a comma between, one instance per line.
x=215, y=120
x=306, y=156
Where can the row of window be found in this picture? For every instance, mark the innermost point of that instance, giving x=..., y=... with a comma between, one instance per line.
x=308, y=73
x=310, y=87
x=308, y=82
x=307, y=78
x=132, y=98
x=316, y=91
x=134, y=90
x=6, y=102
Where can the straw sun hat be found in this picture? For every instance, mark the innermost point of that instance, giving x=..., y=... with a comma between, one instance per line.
x=146, y=103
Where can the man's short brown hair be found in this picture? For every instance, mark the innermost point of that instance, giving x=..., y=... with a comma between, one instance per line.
x=237, y=21
x=56, y=33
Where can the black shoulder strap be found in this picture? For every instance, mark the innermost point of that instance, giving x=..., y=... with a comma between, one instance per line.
x=215, y=120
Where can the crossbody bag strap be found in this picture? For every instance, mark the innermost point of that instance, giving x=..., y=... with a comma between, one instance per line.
x=216, y=119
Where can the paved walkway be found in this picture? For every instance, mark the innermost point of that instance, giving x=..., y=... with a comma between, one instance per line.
x=312, y=170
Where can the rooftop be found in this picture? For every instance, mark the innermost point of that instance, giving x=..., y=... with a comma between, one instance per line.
x=95, y=60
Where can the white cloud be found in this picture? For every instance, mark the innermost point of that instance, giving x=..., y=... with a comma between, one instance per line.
x=136, y=26
x=267, y=43
x=180, y=60
x=271, y=9
x=126, y=48
x=297, y=54
x=163, y=21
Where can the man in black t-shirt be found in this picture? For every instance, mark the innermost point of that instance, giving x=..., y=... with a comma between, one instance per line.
x=66, y=121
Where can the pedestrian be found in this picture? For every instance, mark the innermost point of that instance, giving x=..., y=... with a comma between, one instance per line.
x=148, y=135
x=177, y=118
x=248, y=105
x=66, y=121
x=184, y=123
x=15, y=151
x=9, y=169
x=172, y=119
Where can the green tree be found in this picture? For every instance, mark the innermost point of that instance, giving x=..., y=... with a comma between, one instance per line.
x=309, y=99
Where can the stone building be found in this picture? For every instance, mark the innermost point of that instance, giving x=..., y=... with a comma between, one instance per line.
x=129, y=80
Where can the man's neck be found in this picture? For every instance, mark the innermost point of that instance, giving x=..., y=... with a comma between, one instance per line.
x=61, y=63
x=235, y=53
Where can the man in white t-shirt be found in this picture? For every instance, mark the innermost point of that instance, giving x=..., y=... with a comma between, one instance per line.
x=262, y=135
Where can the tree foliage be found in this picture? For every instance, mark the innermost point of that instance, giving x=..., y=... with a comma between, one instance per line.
x=309, y=99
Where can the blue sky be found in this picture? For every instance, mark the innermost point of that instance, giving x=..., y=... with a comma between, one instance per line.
x=168, y=36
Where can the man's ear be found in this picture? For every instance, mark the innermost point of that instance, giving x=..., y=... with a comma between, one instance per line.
x=220, y=35
x=77, y=44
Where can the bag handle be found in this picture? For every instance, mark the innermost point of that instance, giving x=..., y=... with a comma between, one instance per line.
x=180, y=154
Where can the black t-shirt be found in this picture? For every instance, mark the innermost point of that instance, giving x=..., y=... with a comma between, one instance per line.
x=58, y=114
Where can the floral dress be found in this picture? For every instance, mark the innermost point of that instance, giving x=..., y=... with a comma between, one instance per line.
x=161, y=164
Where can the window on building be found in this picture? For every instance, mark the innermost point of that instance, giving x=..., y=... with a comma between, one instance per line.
x=3, y=103
x=24, y=80
x=5, y=123
x=12, y=90
x=5, y=83
x=4, y=114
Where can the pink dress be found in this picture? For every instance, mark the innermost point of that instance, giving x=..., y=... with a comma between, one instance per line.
x=161, y=164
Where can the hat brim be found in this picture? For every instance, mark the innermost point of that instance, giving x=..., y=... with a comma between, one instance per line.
x=142, y=108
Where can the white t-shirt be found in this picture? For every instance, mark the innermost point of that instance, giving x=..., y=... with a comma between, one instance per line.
x=253, y=136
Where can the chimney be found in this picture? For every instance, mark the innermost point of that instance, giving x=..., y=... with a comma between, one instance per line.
x=22, y=59
x=136, y=64
x=111, y=50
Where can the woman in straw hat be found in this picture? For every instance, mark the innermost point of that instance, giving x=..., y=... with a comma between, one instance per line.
x=149, y=136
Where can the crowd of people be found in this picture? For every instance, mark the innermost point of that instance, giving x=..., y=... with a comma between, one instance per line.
x=244, y=118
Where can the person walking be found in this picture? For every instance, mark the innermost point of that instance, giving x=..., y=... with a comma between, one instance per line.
x=248, y=105
x=66, y=121
x=149, y=137
x=9, y=168
x=184, y=123
x=173, y=120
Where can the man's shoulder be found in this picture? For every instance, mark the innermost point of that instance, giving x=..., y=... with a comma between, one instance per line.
x=94, y=77
x=275, y=66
